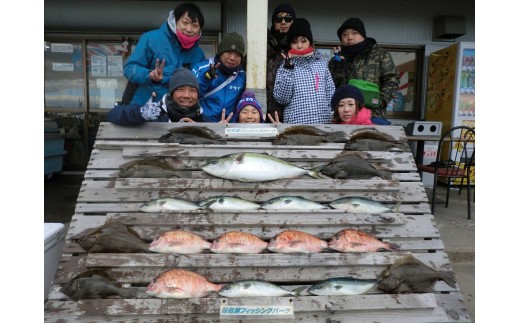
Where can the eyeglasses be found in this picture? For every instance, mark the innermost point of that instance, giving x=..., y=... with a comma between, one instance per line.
x=279, y=19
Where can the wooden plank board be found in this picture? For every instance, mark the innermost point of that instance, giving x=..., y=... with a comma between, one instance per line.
x=104, y=195
x=152, y=131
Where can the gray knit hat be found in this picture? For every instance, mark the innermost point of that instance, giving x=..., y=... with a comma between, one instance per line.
x=182, y=77
x=230, y=42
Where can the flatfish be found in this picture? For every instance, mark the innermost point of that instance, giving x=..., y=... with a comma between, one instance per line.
x=351, y=166
x=149, y=168
x=366, y=144
x=95, y=283
x=308, y=136
x=370, y=133
x=409, y=275
x=193, y=135
x=113, y=236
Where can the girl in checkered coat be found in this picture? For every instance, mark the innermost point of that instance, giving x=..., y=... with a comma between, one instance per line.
x=303, y=82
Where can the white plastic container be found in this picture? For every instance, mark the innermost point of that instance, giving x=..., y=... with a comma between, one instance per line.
x=54, y=241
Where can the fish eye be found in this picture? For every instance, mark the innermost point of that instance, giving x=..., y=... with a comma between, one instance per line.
x=227, y=287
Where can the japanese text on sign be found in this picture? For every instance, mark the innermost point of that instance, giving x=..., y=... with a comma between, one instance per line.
x=251, y=131
x=241, y=310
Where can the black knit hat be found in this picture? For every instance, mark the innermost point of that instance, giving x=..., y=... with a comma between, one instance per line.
x=300, y=27
x=232, y=42
x=346, y=91
x=284, y=7
x=352, y=23
x=183, y=77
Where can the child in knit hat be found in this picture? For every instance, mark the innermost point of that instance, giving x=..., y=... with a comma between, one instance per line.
x=347, y=104
x=248, y=110
x=303, y=82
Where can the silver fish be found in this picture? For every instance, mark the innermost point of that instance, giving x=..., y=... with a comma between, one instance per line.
x=254, y=167
x=166, y=204
x=359, y=204
x=290, y=202
x=342, y=286
x=228, y=203
x=253, y=288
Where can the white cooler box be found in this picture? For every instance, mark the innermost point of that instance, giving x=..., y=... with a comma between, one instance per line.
x=54, y=241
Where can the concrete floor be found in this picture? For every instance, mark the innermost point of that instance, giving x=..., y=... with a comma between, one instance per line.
x=457, y=232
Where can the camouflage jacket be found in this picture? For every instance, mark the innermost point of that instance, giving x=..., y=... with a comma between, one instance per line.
x=374, y=65
x=274, y=58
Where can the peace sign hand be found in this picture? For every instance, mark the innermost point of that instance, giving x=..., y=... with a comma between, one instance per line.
x=157, y=74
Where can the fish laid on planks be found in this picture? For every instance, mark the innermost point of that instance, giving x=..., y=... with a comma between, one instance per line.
x=294, y=241
x=193, y=135
x=349, y=165
x=168, y=204
x=180, y=283
x=179, y=242
x=291, y=202
x=360, y=204
x=253, y=288
x=228, y=203
x=254, y=167
x=342, y=286
x=149, y=168
x=409, y=275
x=113, y=236
x=351, y=240
x=95, y=283
x=238, y=242
x=308, y=136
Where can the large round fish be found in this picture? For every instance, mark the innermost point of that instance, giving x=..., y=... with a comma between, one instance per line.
x=179, y=283
x=293, y=241
x=254, y=167
x=180, y=242
x=351, y=240
x=228, y=203
x=289, y=202
x=359, y=204
x=238, y=242
x=166, y=204
x=342, y=286
x=253, y=288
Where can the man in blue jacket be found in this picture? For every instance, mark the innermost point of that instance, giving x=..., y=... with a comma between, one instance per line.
x=161, y=51
x=222, y=79
x=181, y=103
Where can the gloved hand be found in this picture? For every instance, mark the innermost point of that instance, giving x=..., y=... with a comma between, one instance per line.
x=337, y=57
x=287, y=61
x=152, y=110
x=212, y=74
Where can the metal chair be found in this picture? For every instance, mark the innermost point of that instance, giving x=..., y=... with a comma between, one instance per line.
x=455, y=157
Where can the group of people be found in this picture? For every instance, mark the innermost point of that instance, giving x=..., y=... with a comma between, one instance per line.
x=169, y=78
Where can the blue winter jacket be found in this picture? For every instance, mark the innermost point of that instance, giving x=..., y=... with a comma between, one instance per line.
x=131, y=115
x=159, y=44
x=225, y=98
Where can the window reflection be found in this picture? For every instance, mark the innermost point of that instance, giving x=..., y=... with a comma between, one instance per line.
x=63, y=75
x=106, y=81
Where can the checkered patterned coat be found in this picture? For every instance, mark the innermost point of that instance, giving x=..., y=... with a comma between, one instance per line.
x=306, y=90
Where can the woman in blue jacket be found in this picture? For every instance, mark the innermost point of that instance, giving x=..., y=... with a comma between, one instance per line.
x=161, y=51
x=222, y=79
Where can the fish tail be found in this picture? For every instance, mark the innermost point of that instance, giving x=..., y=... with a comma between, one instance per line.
x=298, y=291
x=385, y=174
x=127, y=293
x=395, y=209
x=449, y=278
x=315, y=173
x=393, y=247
